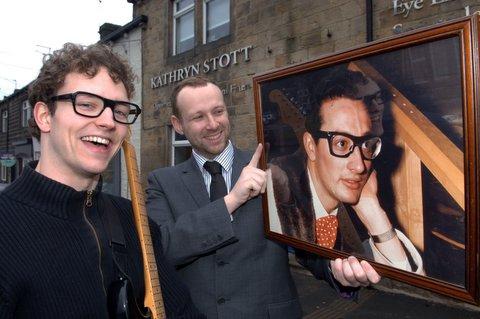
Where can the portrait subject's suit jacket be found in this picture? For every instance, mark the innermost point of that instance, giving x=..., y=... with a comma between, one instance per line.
x=296, y=212
x=232, y=270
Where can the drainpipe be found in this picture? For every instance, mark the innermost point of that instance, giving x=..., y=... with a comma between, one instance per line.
x=369, y=18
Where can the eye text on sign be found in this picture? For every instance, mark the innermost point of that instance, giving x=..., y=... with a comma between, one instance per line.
x=406, y=7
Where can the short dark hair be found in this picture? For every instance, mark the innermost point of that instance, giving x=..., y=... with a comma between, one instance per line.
x=80, y=59
x=196, y=81
x=352, y=85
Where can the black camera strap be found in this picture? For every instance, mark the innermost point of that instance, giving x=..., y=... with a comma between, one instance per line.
x=121, y=299
x=116, y=238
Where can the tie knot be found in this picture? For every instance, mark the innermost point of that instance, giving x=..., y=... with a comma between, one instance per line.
x=213, y=167
x=326, y=231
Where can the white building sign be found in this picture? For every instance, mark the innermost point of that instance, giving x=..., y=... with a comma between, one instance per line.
x=208, y=65
x=405, y=7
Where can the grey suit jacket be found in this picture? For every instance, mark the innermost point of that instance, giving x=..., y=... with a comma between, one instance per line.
x=232, y=270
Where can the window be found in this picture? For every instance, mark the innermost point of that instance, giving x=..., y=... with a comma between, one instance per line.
x=183, y=25
x=216, y=19
x=4, y=121
x=26, y=113
x=208, y=19
x=3, y=173
x=181, y=149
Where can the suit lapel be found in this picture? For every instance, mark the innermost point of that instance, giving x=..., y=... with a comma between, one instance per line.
x=300, y=188
x=240, y=160
x=193, y=181
x=351, y=242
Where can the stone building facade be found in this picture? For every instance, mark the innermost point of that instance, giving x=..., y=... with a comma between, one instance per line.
x=261, y=36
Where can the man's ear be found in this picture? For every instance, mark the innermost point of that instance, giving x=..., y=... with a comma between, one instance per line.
x=309, y=146
x=177, y=124
x=42, y=116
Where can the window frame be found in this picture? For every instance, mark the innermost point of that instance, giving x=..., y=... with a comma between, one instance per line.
x=3, y=173
x=26, y=113
x=176, y=143
x=205, y=18
x=4, y=120
x=176, y=15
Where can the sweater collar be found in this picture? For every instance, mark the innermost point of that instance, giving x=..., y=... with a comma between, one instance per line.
x=49, y=196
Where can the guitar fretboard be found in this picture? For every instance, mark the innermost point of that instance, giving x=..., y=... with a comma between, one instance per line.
x=153, y=292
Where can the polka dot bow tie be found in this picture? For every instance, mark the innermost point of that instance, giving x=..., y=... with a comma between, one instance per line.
x=326, y=231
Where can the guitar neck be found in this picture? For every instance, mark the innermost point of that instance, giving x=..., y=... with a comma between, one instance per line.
x=289, y=113
x=153, y=293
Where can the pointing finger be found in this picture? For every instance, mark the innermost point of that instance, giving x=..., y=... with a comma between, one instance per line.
x=256, y=156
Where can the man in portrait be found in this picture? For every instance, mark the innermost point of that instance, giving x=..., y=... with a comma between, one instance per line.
x=313, y=192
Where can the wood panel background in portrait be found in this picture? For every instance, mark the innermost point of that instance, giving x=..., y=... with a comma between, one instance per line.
x=374, y=152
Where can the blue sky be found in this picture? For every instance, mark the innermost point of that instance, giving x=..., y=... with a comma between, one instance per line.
x=31, y=28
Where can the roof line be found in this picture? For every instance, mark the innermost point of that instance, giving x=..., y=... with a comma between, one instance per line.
x=125, y=29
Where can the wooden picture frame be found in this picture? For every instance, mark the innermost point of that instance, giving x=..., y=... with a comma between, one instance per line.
x=427, y=85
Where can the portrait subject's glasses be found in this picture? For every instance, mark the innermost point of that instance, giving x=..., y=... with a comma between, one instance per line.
x=343, y=144
x=92, y=105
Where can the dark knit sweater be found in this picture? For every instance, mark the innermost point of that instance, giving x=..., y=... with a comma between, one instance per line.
x=55, y=261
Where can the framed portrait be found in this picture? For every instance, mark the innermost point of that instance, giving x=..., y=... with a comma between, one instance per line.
x=373, y=152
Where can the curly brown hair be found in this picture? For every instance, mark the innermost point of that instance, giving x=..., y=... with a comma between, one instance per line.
x=79, y=59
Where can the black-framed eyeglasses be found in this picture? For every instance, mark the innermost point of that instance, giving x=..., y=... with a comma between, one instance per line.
x=92, y=105
x=343, y=144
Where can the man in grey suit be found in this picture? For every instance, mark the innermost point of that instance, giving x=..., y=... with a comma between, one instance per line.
x=211, y=220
